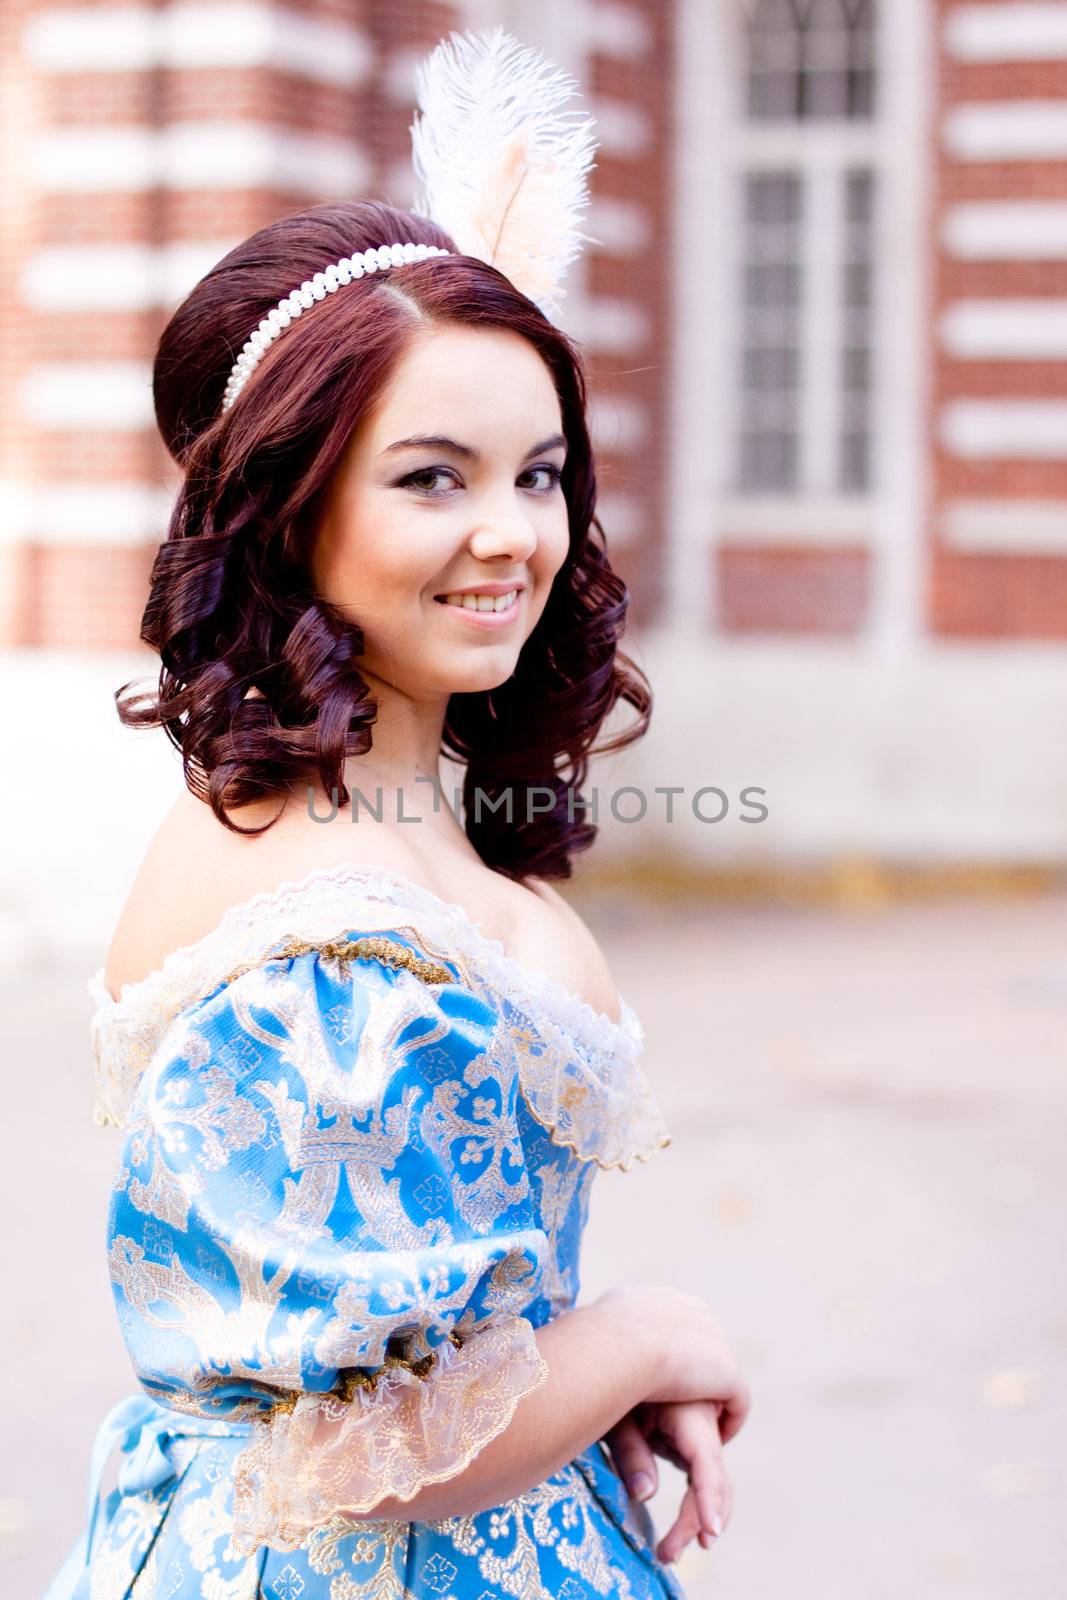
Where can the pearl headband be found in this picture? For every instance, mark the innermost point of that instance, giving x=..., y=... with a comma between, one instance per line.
x=502, y=168
x=300, y=300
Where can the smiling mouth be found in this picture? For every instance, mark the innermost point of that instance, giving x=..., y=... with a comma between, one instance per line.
x=484, y=604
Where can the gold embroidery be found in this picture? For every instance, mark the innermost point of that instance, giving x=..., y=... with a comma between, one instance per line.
x=293, y=1476
x=561, y=1047
x=371, y=947
x=355, y=1378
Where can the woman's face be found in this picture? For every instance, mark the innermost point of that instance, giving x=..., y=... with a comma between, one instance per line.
x=480, y=507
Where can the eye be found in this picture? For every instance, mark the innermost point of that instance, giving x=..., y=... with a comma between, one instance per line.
x=413, y=478
x=417, y=480
x=555, y=476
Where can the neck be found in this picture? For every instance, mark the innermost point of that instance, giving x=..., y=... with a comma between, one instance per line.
x=401, y=774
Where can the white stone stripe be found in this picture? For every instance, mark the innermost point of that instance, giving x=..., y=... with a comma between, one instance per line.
x=1020, y=32
x=1014, y=130
x=614, y=30
x=1023, y=430
x=1009, y=527
x=621, y=226
x=119, y=277
x=396, y=77
x=623, y=130
x=1006, y=230
x=135, y=38
x=196, y=155
x=101, y=514
x=89, y=396
x=611, y=325
x=89, y=513
x=809, y=521
x=1006, y=329
x=15, y=503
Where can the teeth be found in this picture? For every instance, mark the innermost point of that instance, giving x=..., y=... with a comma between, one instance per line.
x=483, y=602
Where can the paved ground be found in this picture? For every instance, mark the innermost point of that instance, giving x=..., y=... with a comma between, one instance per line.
x=867, y=1180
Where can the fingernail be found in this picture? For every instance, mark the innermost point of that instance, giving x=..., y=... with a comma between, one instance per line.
x=641, y=1485
x=716, y=1525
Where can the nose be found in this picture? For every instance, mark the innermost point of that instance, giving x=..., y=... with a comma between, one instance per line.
x=504, y=528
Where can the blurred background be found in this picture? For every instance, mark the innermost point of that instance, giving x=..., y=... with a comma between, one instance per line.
x=825, y=321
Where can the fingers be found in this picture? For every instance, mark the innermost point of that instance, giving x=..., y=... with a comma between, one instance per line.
x=686, y=1526
x=733, y=1410
x=634, y=1459
x=709, y=1486
x=694, y=1435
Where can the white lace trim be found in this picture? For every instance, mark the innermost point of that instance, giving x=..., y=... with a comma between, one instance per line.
x=596, y=1097
x=329, y=1455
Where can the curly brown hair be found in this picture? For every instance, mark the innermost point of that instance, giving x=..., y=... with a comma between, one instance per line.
x=231, y=602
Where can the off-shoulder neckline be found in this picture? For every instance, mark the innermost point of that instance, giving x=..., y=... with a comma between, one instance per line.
x=569, y=1007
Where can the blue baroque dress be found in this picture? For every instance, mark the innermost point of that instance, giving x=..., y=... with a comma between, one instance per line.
x=357, y=1146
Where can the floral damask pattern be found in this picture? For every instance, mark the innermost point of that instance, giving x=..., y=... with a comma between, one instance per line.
x=353, y=1181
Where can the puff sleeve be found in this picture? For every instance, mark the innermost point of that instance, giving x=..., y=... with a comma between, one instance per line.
x=322, y=1223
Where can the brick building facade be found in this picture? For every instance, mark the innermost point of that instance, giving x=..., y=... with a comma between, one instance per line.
x=142, y=142
x=826, y=326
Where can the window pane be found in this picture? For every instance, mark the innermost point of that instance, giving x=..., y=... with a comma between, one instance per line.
x=861, y=58
x=772, y=283
x=771, y=369
x=824, y=77
x=768, y=442
x=773, y=197
x=769, y=460
x=810, y=59
x=855, y=461
x=854, y=454
x=774, y=41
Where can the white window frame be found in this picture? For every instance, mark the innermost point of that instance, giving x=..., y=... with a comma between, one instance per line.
x=716, y=145
x=820, y=152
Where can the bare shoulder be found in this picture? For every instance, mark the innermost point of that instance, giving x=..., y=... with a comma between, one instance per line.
x=195, y=869
x=174, y=894
x=588, y=964
x=542, y=887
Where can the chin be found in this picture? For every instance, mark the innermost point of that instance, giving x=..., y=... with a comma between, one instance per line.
x=481, y=675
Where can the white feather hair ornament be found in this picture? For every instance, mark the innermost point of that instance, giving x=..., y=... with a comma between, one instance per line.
x=503, y=166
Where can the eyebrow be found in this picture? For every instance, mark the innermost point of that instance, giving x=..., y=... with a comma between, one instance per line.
x=438, y=441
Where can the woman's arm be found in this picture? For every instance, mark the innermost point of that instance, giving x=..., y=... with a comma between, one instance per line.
x=632, y=1344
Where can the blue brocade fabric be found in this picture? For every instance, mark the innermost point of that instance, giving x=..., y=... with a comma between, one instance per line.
x=357, y=1145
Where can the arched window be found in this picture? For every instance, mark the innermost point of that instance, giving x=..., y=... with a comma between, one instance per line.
x=810, y=58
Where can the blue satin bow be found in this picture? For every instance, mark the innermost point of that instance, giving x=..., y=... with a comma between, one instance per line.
x=144, y=1428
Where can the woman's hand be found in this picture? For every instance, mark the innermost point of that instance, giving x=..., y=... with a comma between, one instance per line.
x=686, y=1433
x=687, y=1355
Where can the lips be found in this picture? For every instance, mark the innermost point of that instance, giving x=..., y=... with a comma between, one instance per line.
x=482, y=601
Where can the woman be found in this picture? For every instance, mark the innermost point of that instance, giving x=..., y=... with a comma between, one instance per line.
x=365, y=1071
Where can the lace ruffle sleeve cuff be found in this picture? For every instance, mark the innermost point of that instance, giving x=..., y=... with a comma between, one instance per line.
x=334, y=1454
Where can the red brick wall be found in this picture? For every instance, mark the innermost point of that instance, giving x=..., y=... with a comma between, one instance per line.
x=645, y=82
x=19, y=116
x=93, y=597
x=792, y=590
x=979, y=594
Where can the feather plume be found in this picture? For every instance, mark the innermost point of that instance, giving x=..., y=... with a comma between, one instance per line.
x=503, y=167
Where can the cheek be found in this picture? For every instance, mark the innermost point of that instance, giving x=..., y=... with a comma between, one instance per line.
x=368, y=557
x=554, y=544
